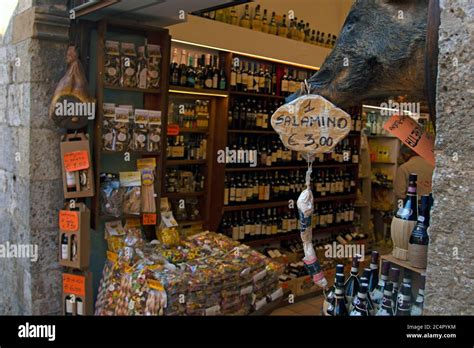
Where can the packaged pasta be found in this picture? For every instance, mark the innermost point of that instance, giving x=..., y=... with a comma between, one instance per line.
x=130, y=184
x=139, y=138
x=142, y=66
x=122, y=127
x=112, y=71
x=110, y=195
x=154, y=130
x=108, y=130
x=129, y=65
x=154, y=63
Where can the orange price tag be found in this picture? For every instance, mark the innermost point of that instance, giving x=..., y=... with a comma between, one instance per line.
x=77, y=160
x=149, y=219
x=74, y=284
x=68, y=220
x=173, y=129
x=411, y=134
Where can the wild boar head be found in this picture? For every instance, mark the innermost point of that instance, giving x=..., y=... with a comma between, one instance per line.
x=379, y=54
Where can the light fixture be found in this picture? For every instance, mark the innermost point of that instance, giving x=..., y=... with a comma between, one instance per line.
x=223, y=95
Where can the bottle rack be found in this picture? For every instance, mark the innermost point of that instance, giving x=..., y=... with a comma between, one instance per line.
x=146, y=98
x=221, y=170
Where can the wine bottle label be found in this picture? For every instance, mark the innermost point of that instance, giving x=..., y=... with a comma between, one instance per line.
x=235, y=233
x=238, y=195
x=69, y=306
x=248, y=229
x=226, y=196
x=79, y=307
x=242, y=232
x=64, y=252
x=233, y=78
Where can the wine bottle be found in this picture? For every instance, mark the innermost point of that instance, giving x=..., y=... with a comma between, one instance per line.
x=409, y=210
x=419, y=239
x=386, y=306
x=394, y=279
x=404, y=303
x=417, y=308
x=378, y=293
x=64, y=247
x=351, y=287
x=405, y=280
x=329, y=301
x=245, y=20
x=360, y=304
x=374, y=271
x=364, y=280
x=79, y=306
x=340, y=304
x=69, y=305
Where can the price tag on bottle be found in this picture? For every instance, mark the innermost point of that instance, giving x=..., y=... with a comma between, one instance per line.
x=68, y=220
x=74, y=284
x=149, y=219
x=76, y=160
x=173, y=129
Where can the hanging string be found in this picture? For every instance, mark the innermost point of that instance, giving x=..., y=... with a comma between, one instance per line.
x=308, y=174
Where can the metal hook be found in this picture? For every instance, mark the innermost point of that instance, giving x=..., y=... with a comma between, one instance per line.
x=307, y=86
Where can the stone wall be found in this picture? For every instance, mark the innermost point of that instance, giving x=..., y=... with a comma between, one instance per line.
x=450, y=274
x=32, y=56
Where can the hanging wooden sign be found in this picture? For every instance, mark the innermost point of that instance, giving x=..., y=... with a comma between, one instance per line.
x=311, y=124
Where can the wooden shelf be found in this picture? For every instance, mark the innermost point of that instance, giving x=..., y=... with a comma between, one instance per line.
x=246, y=131
x=187, y=223
x=198, y=91
x=274, y=204
x=132, y=89
x=193, y=130
x=381, y=136
x=258, y=95
x=290, y=167
x=170, y=163
x=382, y=163
x=405, y=264
x=335, y=198
x=138, y=153
x=183, y=194
x=292, y=235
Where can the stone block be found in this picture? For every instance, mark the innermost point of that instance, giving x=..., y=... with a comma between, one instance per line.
x=41, y=95
x=23, y=25
x=9, y=145
x=46, y=201
x=45, y=160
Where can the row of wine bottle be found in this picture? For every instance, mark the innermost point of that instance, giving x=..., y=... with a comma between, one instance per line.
x=261, y=223
x=366, y=294
x=268, y=151
x=255, y=187
x=275, y=25
x=197, y=71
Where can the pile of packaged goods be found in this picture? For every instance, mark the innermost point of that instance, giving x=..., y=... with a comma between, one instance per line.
x=206, y=274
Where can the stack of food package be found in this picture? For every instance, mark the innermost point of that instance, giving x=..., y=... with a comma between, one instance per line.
x=206, y=274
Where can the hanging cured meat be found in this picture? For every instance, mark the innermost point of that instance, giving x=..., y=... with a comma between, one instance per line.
x=71, y=106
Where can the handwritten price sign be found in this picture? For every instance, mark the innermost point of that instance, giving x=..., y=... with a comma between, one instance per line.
x=411, y=134
x=68, y=220
x=74, y=284
x=149, y=219
x=311, y=124
x=77, y=160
